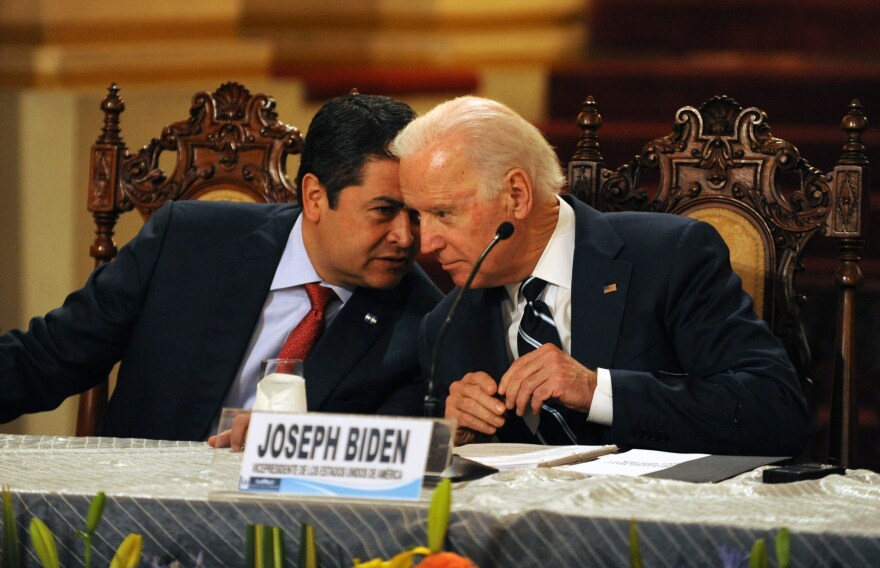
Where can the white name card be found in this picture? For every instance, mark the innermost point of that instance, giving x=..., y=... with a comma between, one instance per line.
x=342, y=455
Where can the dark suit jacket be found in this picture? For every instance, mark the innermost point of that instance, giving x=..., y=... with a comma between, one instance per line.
x=178, y=306
x=692, y=368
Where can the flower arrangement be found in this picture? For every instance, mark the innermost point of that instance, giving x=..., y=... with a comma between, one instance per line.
x=128, y=555
x=264, y=546
x=433, y=554
x=730, y=557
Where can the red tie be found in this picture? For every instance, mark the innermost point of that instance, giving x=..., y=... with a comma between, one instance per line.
x=304, y=336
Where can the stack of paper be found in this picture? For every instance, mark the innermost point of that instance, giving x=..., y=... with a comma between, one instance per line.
x=518, y=456
x=476, y=460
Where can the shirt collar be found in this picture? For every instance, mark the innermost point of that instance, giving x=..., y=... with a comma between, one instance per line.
x=295, y=268
x=555, y=264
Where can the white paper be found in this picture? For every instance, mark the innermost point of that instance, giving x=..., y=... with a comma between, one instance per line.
x=632, y=463
x=502, y=456
x=279, y=392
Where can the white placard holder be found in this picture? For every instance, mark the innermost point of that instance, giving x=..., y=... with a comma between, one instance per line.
x=335, y=455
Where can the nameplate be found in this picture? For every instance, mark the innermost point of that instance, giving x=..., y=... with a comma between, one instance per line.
x=339, y=455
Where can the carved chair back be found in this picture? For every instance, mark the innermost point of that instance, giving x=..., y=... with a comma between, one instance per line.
x=231, y=148
x=722, y=164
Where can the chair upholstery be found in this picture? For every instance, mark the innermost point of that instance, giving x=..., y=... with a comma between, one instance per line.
x=231, y=148
x=722, y=164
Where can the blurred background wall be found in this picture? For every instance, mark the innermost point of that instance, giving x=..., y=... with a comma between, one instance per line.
x=799, y=60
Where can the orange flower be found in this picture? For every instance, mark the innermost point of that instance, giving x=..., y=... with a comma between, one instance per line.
x=445, y=560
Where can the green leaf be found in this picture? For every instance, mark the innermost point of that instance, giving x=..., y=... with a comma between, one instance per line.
x=96, y=511
x=277, y=547
x=758, y=557
x=264, y=546
x=259, y=552
x=267, y=555
x=635, y=553
x=250, y=546
x=10, y=556
x=44, y=544
x=438, y=515
x=783, y=548
x=308, y=553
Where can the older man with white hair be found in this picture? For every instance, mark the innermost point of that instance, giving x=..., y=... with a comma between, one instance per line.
x=584, y=327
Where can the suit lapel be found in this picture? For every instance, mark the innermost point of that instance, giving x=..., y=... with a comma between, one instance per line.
x=240, y=294
x=481, y=319
x=356, y=328
x=599, y=288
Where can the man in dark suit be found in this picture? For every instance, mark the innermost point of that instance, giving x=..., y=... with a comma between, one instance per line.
x=206, y=291
x=585, y=327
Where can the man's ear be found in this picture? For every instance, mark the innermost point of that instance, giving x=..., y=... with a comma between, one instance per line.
x=518, y=195
x=313, y=196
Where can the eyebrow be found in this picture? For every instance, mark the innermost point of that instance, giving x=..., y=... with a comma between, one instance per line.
x=387, y=200
x=446, y=206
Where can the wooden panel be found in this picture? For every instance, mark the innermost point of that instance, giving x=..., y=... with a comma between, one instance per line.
x=445, y=33
x=816, y=27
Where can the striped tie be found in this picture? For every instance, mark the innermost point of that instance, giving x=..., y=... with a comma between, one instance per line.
x=535, y=329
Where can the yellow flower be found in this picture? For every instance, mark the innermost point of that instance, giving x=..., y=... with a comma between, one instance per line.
x=129, y=553
x=44, y=543
x=402, y=560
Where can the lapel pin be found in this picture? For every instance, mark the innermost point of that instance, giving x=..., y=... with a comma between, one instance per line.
x=609, y=288
x=370, y=319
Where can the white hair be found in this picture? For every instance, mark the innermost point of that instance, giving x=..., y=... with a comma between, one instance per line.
x=494, y=138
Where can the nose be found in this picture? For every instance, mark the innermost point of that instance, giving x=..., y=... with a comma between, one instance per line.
x=430, y=236
x=401, y=232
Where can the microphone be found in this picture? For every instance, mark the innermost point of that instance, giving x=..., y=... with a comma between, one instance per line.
x=503, y=232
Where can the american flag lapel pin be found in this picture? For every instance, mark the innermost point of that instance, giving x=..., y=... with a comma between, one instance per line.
x=609, y=288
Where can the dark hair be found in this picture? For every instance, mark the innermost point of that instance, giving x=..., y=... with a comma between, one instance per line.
x=345, y=134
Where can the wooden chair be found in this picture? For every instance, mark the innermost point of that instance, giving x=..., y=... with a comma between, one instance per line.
x=231, y=148
x=722, y=164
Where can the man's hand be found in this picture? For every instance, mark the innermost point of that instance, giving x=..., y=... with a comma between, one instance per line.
x=472, y=403
x=235, y=436
x=545, y=373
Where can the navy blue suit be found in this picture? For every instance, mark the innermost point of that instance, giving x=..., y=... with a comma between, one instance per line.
x=178, y=306
x=693, y=369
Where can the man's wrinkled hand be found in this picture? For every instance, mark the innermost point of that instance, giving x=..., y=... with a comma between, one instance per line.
x=234, y=437
x=547, y=373
x=474, y=406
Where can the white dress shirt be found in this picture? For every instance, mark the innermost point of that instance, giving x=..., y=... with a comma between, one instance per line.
x=555, y=267
x=286, y=305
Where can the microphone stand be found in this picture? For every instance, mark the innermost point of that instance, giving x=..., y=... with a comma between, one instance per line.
x=504, y=231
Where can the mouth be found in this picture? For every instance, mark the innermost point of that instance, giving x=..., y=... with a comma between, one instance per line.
x=394, y=261
x=448, y=265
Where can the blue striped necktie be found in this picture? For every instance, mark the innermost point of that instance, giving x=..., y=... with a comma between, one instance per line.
x=535, y=329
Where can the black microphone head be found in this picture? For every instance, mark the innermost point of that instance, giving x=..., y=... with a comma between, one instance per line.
x=504, y=231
